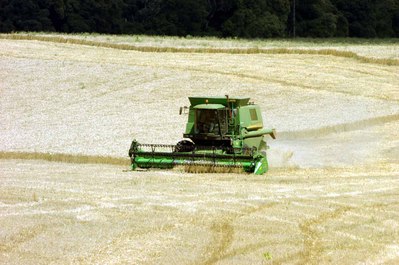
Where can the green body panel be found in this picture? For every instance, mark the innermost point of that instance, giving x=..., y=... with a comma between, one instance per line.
x=253, y=142
x=250, y=117
x=190, y=122
x=262, y=166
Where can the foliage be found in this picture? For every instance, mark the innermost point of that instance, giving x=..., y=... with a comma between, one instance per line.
x=257, y=18
x=227, y=18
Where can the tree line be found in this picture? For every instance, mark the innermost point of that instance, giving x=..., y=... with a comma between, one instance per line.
x=222, y=18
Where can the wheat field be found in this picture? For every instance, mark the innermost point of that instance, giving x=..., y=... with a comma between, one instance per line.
x=69, y=110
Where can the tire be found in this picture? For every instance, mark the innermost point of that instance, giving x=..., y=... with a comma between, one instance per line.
x=184, y=146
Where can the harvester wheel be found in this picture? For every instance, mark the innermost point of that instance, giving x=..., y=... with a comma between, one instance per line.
x=184, y=146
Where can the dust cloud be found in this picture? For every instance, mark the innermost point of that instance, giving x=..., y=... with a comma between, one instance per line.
x=337, y=148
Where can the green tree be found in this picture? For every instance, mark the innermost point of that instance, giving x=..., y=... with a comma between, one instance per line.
x=93, y=16
x=56, y=10
x=317, y=19
x=241, y=18
x=360, y=16
x=177, y=17
x=257, y=18
x=385, y=12
x=372, y=18
x=27, y=15
x=395, y=20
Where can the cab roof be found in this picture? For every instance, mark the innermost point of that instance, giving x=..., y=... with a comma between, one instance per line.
x=209, y=106
x=237, y=101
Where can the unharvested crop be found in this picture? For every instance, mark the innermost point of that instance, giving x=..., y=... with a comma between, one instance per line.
x=378, y=53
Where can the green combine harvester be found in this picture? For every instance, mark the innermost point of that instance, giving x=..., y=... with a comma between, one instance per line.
x=222, y=134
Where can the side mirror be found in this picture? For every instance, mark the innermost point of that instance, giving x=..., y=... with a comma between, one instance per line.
x=183, y=110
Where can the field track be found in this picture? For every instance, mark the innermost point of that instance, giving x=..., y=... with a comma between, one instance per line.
x=72, y=104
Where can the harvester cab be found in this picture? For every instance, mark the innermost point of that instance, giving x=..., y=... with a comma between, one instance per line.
x=221, y=133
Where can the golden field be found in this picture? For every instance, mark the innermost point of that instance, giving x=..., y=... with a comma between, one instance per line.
x=331, y=196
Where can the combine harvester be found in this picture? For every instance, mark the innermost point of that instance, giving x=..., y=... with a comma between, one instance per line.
x=222, y=135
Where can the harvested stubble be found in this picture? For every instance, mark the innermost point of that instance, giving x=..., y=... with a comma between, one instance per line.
x=103, y=215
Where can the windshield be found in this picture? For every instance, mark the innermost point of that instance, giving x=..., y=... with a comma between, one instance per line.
x=211, y=121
